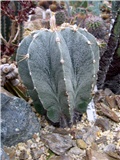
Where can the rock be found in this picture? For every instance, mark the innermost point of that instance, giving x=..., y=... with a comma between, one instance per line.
x=61, y=131
x=63, y=157
x=94, y=146
x=99, y=96
x=111, y=151
x=76, y=153
x=117, y=98
x=101, y=140
x=36, y=153
x=3, y=154
x=81, y=144
x=23, y=155
x=77, y=134
x=111, y=101
x=10, y=151
x=109, y=148
x=19, y=123
x=4, y=91
x=103, y=123
x=58, y=143
x=95, y=155
x=114, y=155
x=91, y=135
x=102, y=109
x=75, y=150
x=118, y=135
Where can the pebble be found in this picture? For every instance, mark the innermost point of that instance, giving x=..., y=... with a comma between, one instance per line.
x=90, y=136
x=104, y=110
x=58, y=143
x=109, y=148
x=99, y=142
x=103, y=123
x=81, y=144
x=75, y=150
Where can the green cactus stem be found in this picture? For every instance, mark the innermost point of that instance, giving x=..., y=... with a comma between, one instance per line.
x=62, y=65
x=25, y=74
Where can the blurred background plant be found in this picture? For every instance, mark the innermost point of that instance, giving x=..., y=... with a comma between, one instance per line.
x=13, y=14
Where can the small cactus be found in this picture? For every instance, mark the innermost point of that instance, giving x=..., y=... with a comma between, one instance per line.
x=95, y=26
x=60, y=17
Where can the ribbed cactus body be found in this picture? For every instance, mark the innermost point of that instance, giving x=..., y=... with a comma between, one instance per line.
x=63, y=66
x=94, y=46
x=22, y=59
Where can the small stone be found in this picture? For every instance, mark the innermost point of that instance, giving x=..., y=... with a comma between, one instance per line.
x=109, y=148
x=81, y=144
x=95, y=155
x=29, y=143
x=18, y=152
x=113, y=155
x=58, y=143
x=37, y=139
x=35, y=136
x=21, y=146
x=91, y=135
x=23, y=155
x=103, y=123
x=33, y=145
x=94, y=146
x=117, y=98
x=78, y=134
x=118, y=135
x=61, y=131
x=63, y=157
x=36, y=153
x=101, y=140
x=111, y=101
x=3, y=154
x=75, y=150
x=102, y=109
x=11, y=152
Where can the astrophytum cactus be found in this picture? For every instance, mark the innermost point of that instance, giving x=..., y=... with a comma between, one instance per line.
x=59, y=68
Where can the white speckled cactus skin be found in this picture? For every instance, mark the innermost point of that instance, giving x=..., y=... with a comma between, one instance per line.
x=61, y=66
